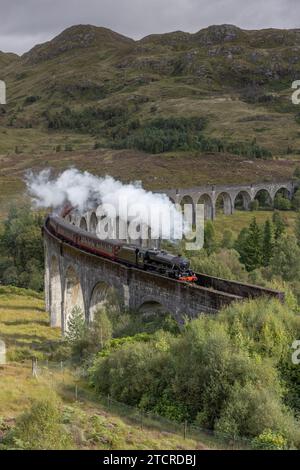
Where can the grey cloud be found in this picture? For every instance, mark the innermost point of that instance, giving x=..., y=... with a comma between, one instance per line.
x=25, y=23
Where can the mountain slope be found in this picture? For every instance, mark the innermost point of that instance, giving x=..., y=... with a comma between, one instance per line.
x=6, y=58
x=74, y=39
x=238, y=80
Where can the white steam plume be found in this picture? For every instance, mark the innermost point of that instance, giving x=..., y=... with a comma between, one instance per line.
x=86, y=191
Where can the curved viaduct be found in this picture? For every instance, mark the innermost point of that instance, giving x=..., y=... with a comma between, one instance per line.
x=74, y=277
x=228, y=195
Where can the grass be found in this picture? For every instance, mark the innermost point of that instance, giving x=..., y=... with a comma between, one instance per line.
x=170, y=170
x=24, y=324
x=92, y=423
x=143, y=76
x=240, y=219
x=38, y=141
x=233, y=119
x=91, y=426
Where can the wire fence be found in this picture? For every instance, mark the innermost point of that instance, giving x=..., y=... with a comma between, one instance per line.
x=78, y=392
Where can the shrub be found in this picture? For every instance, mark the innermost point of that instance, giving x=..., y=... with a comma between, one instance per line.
x=251, y=409
x=31, y=99
x=218, y=372
x=254, y=205
x=269, y=440
x=39, y=429
x=282, y=203
x=89, y=339
x=136, y=373
x=296, y=201
x=223, y=263
x=75, y=326
x=285, y=261
x=297, y=172
x=228, y=239
x=68, y=148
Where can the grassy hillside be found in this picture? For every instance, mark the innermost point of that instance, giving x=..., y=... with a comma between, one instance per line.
x=240, y=219
x=7, y=59
x=239, y=80
x=25, y=329
x=93, y=88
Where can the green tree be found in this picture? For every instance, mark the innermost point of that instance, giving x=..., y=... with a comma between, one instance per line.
x=285, y=261
x=223, y=263
x=101, y=330
x=282, y=203
x=296, y=201
x=254, y=205
x=279, y=225
x=241, y=243
x=228, y=239
x=297, y=229
x=221, y=373
x=75, y=326
x=267, y=247
x=250, y=244
x=21, y=249
x=209, y=237
x=93, y=337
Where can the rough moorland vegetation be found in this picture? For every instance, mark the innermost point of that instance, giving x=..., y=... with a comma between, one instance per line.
x=239, y=81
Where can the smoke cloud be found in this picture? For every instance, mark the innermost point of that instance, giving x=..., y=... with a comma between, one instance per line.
x=85, y=191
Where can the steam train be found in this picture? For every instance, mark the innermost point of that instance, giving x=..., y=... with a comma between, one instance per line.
x=158, y=261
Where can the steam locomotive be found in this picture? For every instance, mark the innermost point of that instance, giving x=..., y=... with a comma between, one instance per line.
x=158, y=261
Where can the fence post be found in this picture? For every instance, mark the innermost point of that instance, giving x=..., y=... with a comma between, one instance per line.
x=63, y=371
x=233, y=442
x=141, y=414
x=34, y=367
x=108, y=401
x=76, y=392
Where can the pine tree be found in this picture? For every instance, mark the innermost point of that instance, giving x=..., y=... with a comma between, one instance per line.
x=268, y=245
x=228, y=239
x=241, y=244
x=279, y=225
x=252, y=247
x=209, y=237
x=75, y=325
x=297, y=229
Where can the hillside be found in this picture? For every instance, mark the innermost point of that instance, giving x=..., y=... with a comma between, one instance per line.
x=24, y=327
x=7, y=59
x=220, y=91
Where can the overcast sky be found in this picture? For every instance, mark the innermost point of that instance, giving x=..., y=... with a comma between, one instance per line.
x=25, y=23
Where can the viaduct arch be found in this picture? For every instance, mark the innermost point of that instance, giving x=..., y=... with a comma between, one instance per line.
x=228, y=198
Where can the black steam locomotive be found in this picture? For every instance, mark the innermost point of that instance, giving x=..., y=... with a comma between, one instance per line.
x=159, y=261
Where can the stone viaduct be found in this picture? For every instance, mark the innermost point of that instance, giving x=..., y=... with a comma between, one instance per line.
x=228, y=197
x=74, y=277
